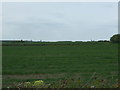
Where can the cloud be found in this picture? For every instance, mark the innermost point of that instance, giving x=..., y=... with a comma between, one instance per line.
x=37, y=28
x=60, y=21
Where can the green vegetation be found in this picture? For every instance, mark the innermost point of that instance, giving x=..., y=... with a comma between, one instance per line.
x=56, y=61
x=93, y=82
x=115, y=38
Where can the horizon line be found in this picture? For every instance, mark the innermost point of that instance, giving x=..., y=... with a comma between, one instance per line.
x=49, y=40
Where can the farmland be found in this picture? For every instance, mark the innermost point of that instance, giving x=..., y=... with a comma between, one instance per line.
x=53, y=61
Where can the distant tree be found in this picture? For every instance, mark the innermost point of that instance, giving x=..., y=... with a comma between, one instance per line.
x=103, y=41
x=21, y=40
x=115, y=38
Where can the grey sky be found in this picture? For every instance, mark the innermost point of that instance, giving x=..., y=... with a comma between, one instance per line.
x=0, y=20
x=60, y=21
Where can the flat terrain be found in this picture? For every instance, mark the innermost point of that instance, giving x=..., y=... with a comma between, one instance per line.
x=53, y=62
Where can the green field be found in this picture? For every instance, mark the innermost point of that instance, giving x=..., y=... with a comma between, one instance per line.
x=55, y=62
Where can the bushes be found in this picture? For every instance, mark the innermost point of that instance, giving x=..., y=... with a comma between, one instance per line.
x=103, y=41
x=95, y=81
x=115, y=38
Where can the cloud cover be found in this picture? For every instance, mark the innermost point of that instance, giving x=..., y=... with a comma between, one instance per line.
x=59, y=21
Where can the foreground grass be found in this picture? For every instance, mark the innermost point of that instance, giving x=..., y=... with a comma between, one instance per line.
x=94, y=81
x=51, y=63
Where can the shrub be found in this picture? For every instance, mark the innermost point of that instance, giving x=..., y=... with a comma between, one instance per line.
x=115, y=38
x=95, y=81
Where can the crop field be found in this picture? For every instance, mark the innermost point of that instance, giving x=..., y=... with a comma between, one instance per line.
x=56, y=61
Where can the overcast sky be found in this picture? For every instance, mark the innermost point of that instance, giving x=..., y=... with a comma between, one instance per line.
x=60, y=21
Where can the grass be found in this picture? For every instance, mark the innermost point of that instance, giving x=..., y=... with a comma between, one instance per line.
x=60, y=61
